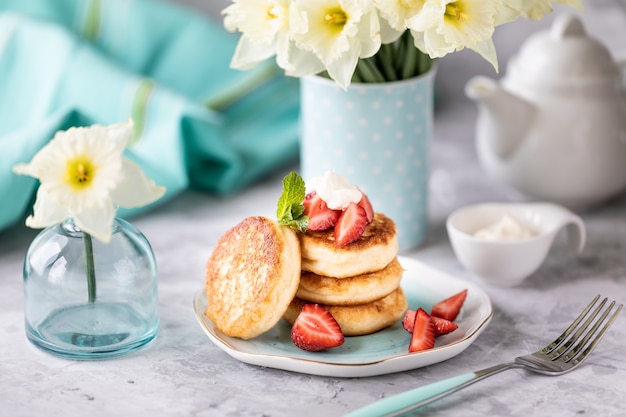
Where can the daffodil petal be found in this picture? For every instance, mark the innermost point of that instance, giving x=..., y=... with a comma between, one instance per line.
x=249, y=53
x=506, y=14
x=387, y=33
x=487, y=50
x=432, y=43
x=45, y=211
x=283, y=47
x=303, y=63
x=121, y=133
x=136, y=189
x=96, y=221
x=369, y=35
x=24, y=169
x=341, y=70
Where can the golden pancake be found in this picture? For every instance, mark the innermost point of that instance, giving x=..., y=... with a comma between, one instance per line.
x=359, y=289
x=374, y=250
x=252, y=276
x=360, y=319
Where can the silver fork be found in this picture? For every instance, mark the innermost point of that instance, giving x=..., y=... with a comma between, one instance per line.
x=563, y=355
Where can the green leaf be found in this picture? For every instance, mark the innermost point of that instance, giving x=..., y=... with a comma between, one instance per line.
x=290, y=209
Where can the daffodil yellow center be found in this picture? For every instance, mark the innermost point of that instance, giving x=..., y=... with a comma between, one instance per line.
x=80, y=173
x=455, y=12
x=335, y=19
x=271, y=13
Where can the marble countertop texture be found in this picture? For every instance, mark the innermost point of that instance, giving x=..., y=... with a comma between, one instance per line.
x=182, y=373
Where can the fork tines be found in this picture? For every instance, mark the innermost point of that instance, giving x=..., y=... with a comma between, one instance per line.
x=565, y=348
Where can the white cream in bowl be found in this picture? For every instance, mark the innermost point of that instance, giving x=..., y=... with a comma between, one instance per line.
x=503, y=243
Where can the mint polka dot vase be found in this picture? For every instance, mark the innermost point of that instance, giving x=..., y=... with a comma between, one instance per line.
x=377, y=135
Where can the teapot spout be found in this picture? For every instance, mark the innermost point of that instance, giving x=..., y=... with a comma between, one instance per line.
x=503, y=118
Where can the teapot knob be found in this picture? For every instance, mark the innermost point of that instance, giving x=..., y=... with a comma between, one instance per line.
x=566, y=25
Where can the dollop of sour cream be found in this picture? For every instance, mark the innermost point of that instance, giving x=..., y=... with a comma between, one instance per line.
x=335, y=190
x=507, y=228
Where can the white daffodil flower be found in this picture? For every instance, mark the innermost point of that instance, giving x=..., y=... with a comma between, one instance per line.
x=337, y=32
x=264, y=25
x=444, y=26
x=83, y=175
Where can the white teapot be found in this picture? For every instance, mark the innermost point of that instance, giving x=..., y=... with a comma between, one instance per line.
x=554, y=128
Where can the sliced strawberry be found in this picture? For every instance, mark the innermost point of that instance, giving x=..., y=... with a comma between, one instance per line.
x=351, y=225
x=369, y=210
x=408, y=322
x=443, y=326
x=320, y=216
x=316, y=329
x=450, y=307
x=423, y=337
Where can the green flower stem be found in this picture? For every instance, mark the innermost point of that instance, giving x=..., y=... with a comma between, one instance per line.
x=410, y=62
x=424, y=64
x=90, y=268
x=368, y=71
x=92, y=21
x=246, y=85
x=385, y=61
x=401, y=46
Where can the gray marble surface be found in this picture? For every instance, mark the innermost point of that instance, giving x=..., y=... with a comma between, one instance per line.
x=183, y=374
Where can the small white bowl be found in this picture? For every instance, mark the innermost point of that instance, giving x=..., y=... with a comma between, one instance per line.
x=508, y=262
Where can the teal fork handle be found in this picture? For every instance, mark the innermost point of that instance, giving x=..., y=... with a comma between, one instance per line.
x=409, y=400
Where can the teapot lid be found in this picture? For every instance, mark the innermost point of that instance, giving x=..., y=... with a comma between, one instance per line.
x=562, y=55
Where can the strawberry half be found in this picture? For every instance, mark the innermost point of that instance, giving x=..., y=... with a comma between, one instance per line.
x=316, y=329
x=423, y=337
x=351, y=225
x=450, y=307
x=367, y=206
x=443, y=326
x=320, y=216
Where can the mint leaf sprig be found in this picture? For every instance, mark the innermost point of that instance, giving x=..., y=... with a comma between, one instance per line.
x=290, y=210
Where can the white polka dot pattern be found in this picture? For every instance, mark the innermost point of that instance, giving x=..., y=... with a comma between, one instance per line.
x=376, y=135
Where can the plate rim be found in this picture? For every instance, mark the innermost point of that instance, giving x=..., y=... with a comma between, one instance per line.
x=355, y=369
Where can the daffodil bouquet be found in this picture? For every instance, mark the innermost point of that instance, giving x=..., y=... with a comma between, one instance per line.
x=369, y=40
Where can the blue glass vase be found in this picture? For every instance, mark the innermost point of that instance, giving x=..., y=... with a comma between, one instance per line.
x=74, y=317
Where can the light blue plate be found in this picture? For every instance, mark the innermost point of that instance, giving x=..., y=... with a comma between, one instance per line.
x=383, y=352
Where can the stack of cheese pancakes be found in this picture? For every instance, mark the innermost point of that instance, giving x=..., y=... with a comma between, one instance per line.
x=358, y=283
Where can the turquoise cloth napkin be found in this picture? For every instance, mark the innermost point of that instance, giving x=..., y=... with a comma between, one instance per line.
x=200, y=125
